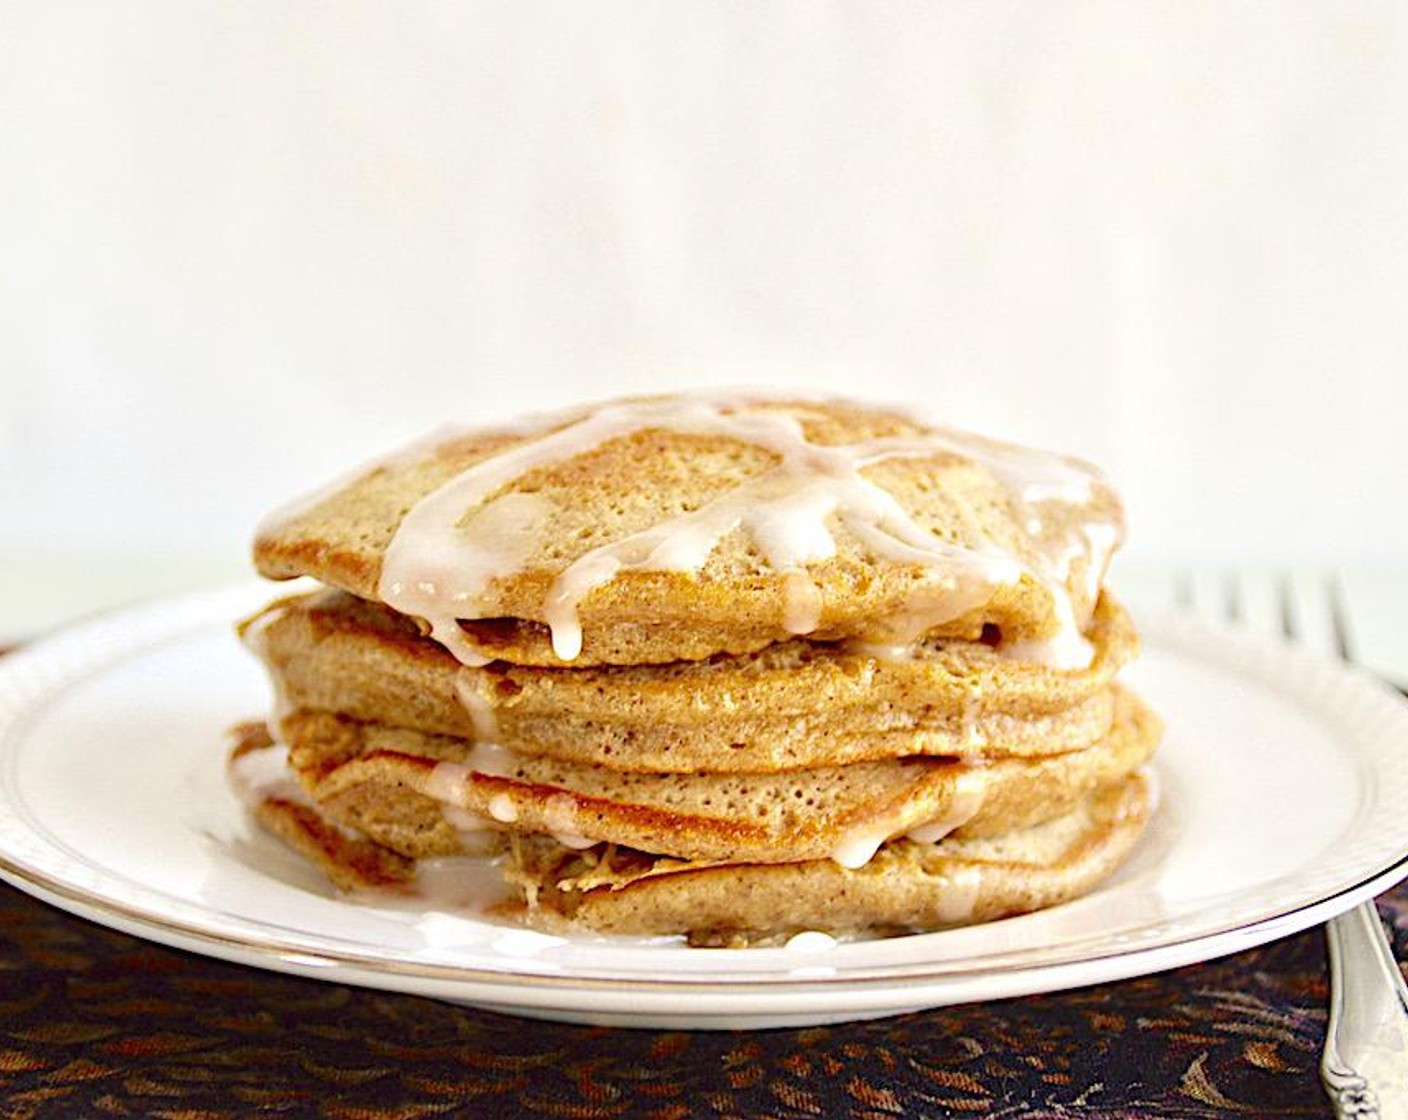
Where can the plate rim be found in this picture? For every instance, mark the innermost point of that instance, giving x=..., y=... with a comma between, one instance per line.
x=303, y=960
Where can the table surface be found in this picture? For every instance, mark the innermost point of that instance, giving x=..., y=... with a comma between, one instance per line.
x=94, y=1022
x=98, y=1023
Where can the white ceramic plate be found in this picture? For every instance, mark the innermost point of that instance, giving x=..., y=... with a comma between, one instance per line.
x=1284, y=802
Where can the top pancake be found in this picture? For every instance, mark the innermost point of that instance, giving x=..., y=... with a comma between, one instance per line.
x=677, y=528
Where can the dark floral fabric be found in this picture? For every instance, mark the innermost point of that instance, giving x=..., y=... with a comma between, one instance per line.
x=95, y=1023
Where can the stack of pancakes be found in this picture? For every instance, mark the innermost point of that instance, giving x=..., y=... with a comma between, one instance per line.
x=727, y=667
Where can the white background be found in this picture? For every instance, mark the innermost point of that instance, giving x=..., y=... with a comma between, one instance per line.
x=245, y=245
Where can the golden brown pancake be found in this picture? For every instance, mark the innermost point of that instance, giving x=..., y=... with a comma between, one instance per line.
x=905, y=887
x=595, y=479
x=790, y=705
x=350, y=862
x=395, y=785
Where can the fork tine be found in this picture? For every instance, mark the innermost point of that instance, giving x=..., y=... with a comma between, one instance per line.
x=1309, y=617
x=1207, y=591
x=1233, y=598
x=1183, y=590
x=1258, y=603
x=1288, y=612
x=1339, y=620
x=1375, y=610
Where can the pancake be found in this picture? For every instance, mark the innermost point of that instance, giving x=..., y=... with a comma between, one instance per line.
x=905, y=887
x=349, y=861
x=794, y=704
x=417, y=794
x=671, y=529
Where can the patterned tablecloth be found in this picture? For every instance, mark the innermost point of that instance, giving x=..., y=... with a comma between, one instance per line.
x=96, y=1023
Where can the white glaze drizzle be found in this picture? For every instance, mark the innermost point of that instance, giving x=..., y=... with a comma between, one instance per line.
x=442, y=560
x=974, y=735
x=560, y=815
x=1068, y=648
x=858, y=846
x=255, y=637
x=481, y=711
x=488, y=757
x=882, y=651
x=810, y=941
x=263, y=774
x=502, y=808
x=446, y=783
x=574, y=841
x=448, y=886
x=463, y=820
x=803, y=603
x=958, y=894
x=1102, y=540
x=969, y=792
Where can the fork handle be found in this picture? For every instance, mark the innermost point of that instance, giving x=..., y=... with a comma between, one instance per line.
x=1365, y=1064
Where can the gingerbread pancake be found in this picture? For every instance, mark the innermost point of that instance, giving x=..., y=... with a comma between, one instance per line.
x=675, y=528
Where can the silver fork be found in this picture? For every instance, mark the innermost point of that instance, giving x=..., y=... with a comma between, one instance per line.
x=1364, y=1066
